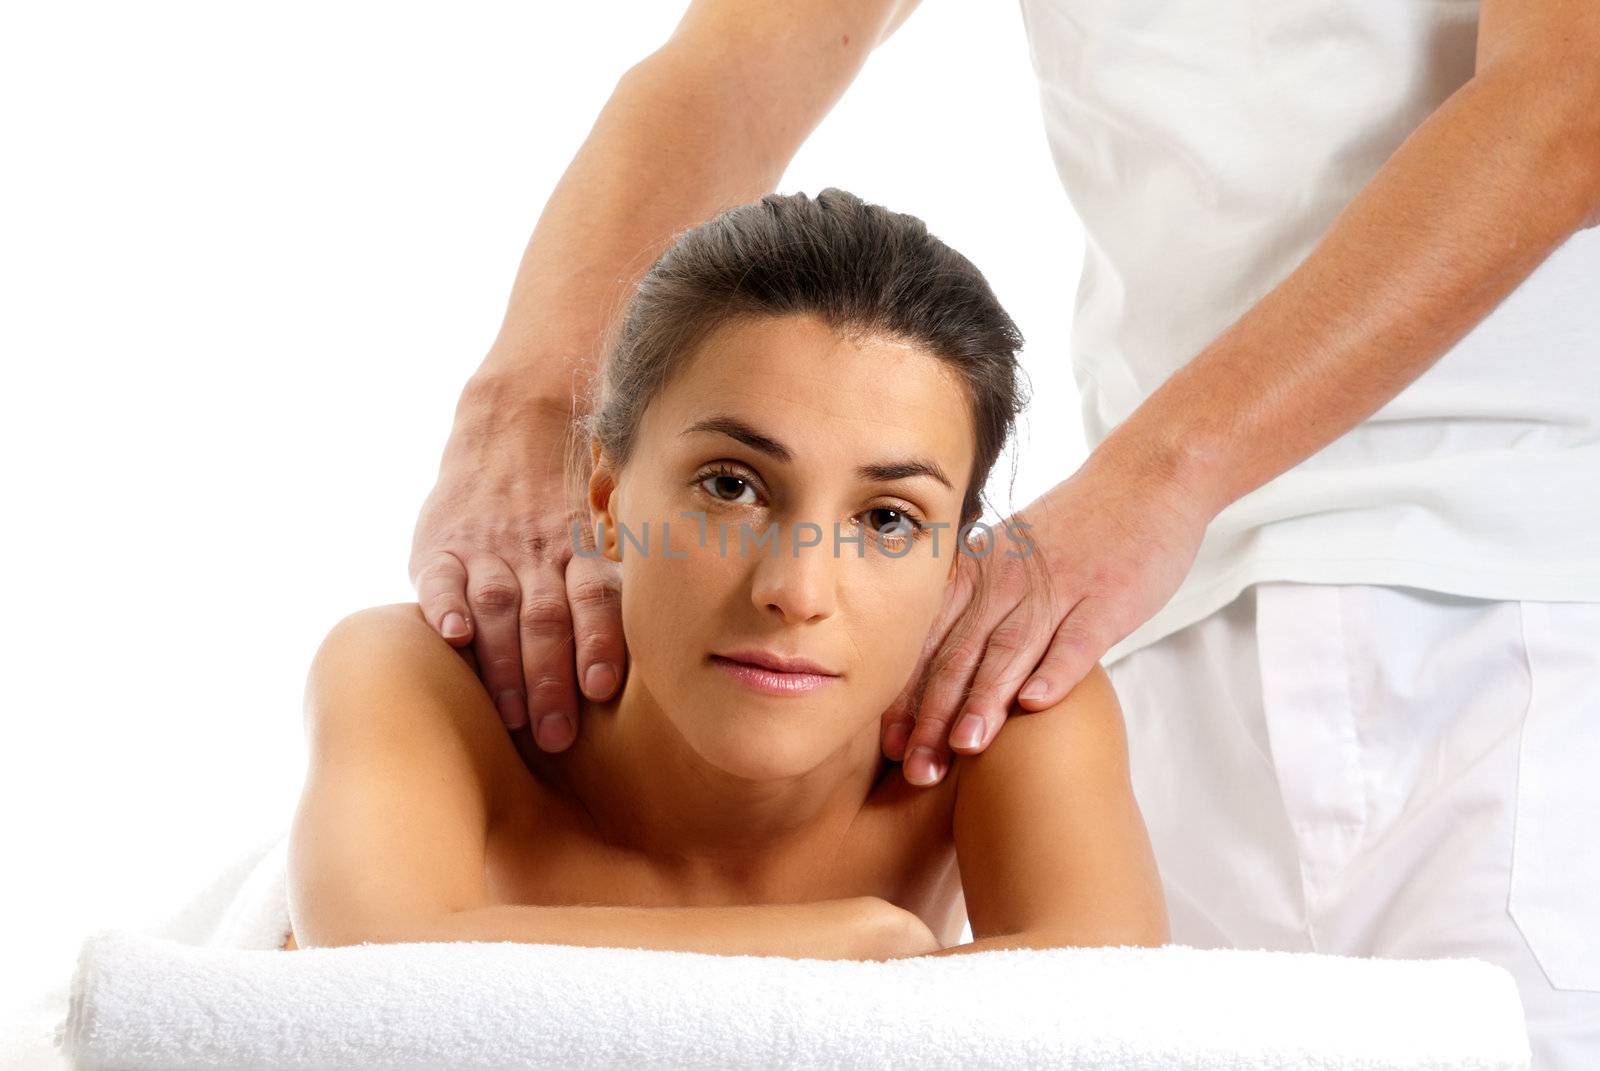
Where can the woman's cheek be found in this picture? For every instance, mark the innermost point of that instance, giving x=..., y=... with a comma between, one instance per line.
x=681, y=578
x=920, y=586
x=903, y=598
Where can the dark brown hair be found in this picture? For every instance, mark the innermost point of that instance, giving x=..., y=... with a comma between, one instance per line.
x=863, y=270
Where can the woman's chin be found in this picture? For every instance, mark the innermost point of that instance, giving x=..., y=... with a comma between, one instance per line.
x=762, y=751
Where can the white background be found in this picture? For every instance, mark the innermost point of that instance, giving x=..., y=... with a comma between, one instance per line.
x=248, y=256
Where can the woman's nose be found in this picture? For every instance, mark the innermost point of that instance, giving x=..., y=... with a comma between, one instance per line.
x=796, y=575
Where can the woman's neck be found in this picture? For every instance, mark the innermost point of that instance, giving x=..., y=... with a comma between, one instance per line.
x=646, y=789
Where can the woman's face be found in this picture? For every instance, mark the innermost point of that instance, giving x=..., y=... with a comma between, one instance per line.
x=780, y=422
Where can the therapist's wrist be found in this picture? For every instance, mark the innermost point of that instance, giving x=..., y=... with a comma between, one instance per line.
x=513, y=401
x=1170, y=460
x=557, y=365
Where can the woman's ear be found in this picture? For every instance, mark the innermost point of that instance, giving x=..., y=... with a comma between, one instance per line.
x=602, y=488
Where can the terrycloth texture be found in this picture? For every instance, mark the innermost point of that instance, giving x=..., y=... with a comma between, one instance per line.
x=143, y=1002
x=244, y=907
x=209, y=993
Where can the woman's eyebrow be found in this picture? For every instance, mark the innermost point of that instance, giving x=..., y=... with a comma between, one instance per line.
x=735, y=428
x=881, y=471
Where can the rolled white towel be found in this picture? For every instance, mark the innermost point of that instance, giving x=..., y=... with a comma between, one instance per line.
x=140, y=1001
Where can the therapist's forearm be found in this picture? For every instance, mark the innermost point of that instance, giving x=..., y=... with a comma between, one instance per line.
x=667, y=151
x=1493, y=182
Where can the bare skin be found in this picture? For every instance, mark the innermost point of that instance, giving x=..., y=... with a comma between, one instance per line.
x=691, y=787
x=544, y=848
x=1071, y=866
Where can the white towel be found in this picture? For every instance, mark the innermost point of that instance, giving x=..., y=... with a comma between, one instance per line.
x=143, y=1002
x=211, y=994
x=245, y=906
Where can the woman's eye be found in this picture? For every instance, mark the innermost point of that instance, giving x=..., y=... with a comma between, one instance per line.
x=899, y=522
x=736, y=484
x=739, y=491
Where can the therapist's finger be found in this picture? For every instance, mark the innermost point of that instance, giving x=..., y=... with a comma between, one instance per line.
x=928, y=751
x=549, y=653
x=900, y=718
x=894, y=727
x=594, y=596
x=494, y=595
x=441, y=585
x=1079, y=642
x=1015, y=648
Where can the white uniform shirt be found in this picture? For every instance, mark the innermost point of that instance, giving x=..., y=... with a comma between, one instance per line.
x=1206, y=148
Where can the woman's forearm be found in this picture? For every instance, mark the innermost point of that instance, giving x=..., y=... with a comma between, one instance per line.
x=1040, y=940
x=824, y=929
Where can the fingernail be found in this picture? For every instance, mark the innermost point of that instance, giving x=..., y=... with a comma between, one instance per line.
x=1036, y=689
x=920, y=767
x=599, y=681
x=969, y=732
x=553, y=731
x=513, y=708
x=895, y=740
x=454, y=625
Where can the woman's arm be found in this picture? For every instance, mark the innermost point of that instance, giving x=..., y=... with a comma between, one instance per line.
x=1052, y=848
x=389, y=840
x=847, y=928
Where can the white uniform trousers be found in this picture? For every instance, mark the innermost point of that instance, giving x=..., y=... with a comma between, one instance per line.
x=1383, y=771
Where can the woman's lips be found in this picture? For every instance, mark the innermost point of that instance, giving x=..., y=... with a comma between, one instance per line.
x=771, y=681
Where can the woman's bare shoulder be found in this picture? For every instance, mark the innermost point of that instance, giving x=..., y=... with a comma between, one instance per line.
x=387, y=662
x=1087, y=717
x=1048, y=834
x=407, y=758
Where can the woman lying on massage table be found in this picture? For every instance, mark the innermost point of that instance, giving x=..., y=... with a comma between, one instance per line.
x=830, y=369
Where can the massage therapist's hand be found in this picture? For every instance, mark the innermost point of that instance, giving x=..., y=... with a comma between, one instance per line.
x=494, y=570
x=1112, y=543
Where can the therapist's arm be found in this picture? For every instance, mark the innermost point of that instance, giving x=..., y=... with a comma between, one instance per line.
x=709, y=120
x=1504, y=172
